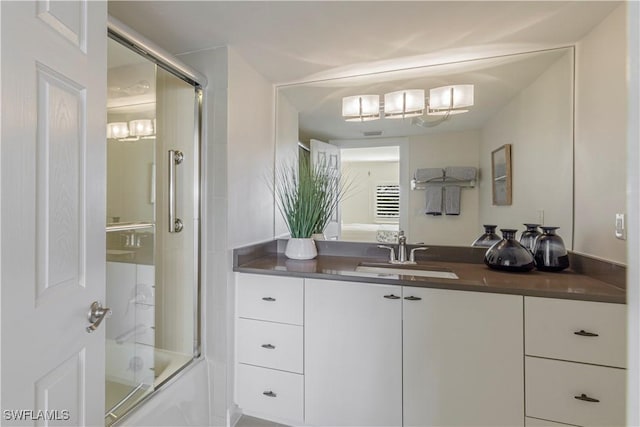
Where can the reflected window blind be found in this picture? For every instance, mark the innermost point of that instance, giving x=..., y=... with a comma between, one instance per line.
x=387, y=201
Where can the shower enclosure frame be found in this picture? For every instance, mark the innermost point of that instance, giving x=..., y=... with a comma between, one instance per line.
x=127, y=37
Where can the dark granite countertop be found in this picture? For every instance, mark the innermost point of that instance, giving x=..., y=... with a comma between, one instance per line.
x=473, y=276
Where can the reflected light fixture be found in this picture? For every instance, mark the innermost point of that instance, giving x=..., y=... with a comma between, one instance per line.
x=404, y=103
x=450, y=100
x=445, y=101
x=411, y=103
x=361, y=108
x=117, y=130
x=141, y=127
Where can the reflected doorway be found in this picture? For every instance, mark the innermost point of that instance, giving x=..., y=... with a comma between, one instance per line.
x=371, y=210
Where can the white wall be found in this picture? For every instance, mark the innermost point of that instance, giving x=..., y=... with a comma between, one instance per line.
x=538, y=120
x=251, y=154
x=600, y=137
x=440, y=151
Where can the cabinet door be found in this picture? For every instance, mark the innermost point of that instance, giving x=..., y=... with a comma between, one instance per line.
x=463, y=358
x=353, y=359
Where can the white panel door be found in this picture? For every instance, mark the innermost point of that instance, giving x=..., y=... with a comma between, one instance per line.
x=352, y=354
x=52, y=153
x=321, y=152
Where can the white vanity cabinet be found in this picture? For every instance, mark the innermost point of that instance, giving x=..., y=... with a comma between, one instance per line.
x=269, y=346
x=353, y=354
x=462, y=358
x=340, y=353
x=574, y=361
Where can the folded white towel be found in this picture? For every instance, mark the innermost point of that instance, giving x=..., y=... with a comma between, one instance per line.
x=434, y=200
x=452, y=200
x=425, y=174
x=462, y=173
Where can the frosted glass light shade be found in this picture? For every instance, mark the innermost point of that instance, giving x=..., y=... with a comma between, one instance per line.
x=117, y=130
x=445, y=98
x=142, y=127
x=361, y=108
x=404, y=103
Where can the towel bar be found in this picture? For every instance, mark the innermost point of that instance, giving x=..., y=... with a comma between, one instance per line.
x=415, y=185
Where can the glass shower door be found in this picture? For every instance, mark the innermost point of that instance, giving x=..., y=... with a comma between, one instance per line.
x=152, y=268
x=177, y=213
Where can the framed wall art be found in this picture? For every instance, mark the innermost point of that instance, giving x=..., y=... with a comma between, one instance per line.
x=501, y=175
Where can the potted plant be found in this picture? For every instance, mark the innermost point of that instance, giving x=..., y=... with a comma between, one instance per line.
x=306, y=196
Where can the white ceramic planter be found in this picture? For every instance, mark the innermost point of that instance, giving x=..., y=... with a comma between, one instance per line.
x=298, y=248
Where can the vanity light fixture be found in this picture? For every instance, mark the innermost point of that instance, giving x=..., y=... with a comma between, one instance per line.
x=361, y=108
x=411, y=103
x=117, y=130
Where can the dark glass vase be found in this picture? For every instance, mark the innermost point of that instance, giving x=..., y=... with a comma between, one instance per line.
x=550, y=253
x=528, y=237
x=508, y=254
x=488, y=238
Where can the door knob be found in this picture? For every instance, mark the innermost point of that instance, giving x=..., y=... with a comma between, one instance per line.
x=96, y=315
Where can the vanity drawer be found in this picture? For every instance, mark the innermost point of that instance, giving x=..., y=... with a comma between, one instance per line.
x=269, y=393
x=566, y=329
x=271, y=298
x=552, y=387
x=272, y=345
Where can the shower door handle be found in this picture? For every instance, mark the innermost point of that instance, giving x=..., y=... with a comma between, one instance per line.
x=175, y=158
x=96, y=315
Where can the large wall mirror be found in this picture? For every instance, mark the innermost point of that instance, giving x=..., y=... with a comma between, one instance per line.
x=523, y=100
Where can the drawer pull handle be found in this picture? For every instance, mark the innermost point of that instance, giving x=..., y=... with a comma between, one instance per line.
x=269, y=393
x=586, y=398
x=268, y=299
x=268, y=346
x=584, y=333
x=412, y=298
x=392, y=296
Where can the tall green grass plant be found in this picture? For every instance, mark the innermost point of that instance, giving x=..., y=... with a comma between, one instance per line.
x=307, y=195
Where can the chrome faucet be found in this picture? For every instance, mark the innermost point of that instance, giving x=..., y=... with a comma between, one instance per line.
x=402, y=251
x=402, y=247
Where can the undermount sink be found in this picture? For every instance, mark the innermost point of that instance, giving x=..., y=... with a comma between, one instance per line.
x=409, y=270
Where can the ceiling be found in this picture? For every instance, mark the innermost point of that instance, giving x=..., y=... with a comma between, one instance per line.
x=289, y=41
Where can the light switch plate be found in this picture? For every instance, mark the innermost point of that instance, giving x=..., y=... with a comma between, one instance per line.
x=621, y=232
